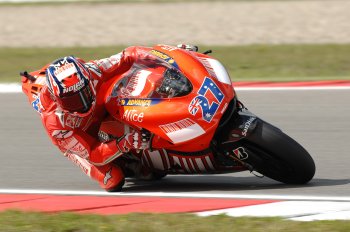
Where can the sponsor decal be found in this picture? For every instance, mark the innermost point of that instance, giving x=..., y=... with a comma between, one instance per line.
x=240, y=153
x=133, y=116
x=138, y=102
x=218, y=69
x=73, y=146
x=137, y=83
x=208, y=67
x=82, y=163
x=73, y=121
x=247, y=125
x=193, y=164
x=203, y=103
x=37, y=105
x=65, y=70
x=165, y=57
x=182, y=130
x=61, y=134
x=103, y=136
x=75, y=88
x=80, y=150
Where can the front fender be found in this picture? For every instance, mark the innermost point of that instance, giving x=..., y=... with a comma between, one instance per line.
x=242, y=123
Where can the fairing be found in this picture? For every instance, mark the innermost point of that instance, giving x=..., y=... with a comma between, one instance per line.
x=180, y=97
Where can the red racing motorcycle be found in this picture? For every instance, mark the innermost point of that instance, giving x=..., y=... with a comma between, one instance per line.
x=186, y=102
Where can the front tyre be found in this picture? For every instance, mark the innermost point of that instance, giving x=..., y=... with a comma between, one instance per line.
x=277, y=156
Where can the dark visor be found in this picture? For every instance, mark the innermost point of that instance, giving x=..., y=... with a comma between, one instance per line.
x=78, y=102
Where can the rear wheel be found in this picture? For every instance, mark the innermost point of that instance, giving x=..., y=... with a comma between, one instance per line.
x=277, y=156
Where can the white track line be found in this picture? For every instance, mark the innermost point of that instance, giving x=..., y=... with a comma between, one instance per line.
x=10, y=88
x=16, y=88
x=176, y=194
x=294, y=210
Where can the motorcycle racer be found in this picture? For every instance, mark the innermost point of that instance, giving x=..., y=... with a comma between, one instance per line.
x=151, y=111
x=72, y=113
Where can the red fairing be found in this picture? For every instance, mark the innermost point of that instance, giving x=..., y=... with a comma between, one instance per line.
x=182, y=122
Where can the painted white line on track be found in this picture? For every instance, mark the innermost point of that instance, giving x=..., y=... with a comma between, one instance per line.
x=16, y=88
x=343, y=215
x=294, y=210
x=176, y=194
x=10, y=88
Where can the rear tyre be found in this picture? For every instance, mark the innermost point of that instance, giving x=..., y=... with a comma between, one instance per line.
x=277, y=156
x=158, y=175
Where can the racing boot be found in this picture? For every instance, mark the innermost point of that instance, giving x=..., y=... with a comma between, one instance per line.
x=109, y=176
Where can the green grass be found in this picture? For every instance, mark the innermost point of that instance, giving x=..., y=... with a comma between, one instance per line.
x=244, y=63
x=286, y=62
x=19, y=221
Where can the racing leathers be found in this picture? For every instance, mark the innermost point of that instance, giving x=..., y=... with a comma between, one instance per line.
x=77, y=137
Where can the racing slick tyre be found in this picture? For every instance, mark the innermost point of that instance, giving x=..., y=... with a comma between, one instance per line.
x=277, y=156
x=158, y=175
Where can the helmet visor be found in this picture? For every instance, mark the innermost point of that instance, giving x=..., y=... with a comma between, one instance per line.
x=80, y=101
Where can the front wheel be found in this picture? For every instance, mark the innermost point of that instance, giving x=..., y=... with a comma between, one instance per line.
x=277, y=156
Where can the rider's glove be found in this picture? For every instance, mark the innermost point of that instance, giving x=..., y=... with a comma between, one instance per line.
x=138, y=140
x=188, y=47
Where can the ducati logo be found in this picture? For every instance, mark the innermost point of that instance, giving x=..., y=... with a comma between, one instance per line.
x=240, y=153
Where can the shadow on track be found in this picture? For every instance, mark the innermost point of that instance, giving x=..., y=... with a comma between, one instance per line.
x=220, y=183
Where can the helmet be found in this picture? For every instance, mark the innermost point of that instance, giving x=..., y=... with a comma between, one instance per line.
x=69, y=82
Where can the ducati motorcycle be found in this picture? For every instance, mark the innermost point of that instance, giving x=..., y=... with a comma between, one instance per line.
x=186, y=101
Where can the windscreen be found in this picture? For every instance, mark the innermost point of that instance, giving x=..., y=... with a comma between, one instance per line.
x=152, y=78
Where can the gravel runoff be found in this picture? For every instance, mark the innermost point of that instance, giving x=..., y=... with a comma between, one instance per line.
x=211, y=23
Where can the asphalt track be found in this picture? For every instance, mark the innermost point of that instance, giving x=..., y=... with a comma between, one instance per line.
x=318, y=119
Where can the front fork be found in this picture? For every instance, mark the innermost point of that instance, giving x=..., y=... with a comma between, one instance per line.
x=226, y=143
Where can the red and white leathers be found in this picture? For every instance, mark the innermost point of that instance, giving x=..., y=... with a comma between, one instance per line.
x=77, y=137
